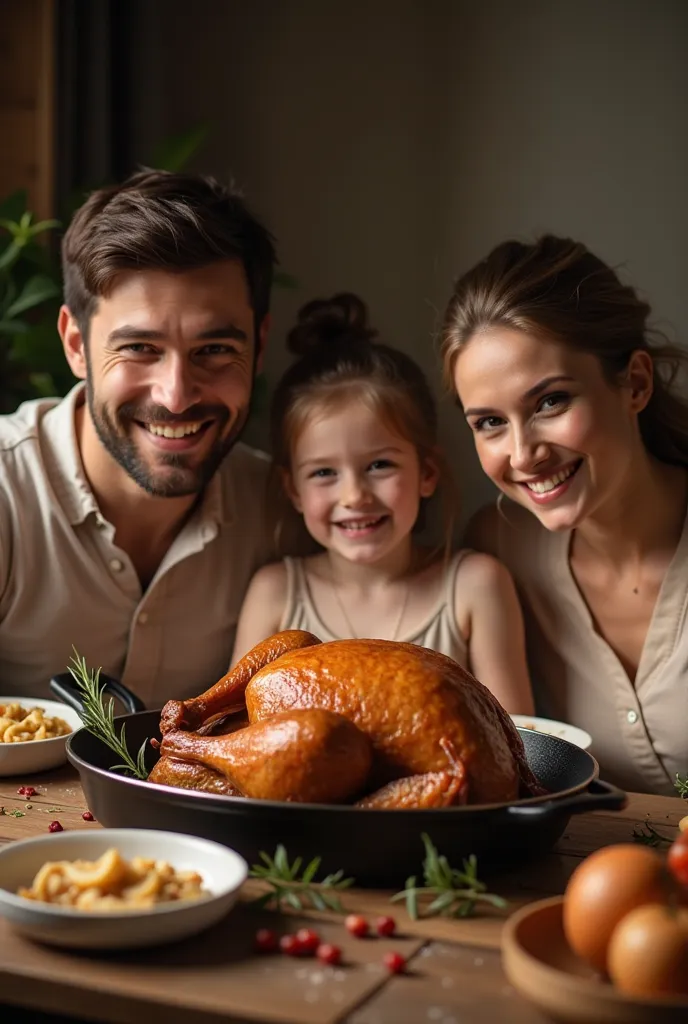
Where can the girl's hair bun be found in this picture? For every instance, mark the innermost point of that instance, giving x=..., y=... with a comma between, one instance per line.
x=343, y=318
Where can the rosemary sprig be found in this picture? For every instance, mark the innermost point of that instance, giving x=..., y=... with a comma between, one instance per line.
x=651, y=837
x=98, y=718
x=682, y=786
x=455, y=892
x=288, y=888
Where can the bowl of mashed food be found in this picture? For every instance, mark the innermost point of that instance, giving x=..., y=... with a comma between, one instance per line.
x=33, y=734
x=117, y=888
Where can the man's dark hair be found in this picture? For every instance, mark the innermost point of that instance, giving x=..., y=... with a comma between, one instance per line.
x=163, y=221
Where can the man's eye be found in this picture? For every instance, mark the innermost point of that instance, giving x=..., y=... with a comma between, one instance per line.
x=138, y=348
x=218, y=349
x=487, y=423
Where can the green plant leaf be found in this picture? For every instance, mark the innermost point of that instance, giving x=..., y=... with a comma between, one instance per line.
x=13, y=205
x=174, y=154
x=13, y=327
x=36, y=291
x=10, y=255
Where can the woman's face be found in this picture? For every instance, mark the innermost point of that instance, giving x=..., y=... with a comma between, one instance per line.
x=549, y=430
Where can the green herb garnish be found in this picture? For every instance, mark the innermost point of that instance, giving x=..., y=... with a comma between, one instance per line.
x=98, y=718
x=289, y=888
x=455, y=893
x=12, y=814
x=648, y=835
x=682, y=786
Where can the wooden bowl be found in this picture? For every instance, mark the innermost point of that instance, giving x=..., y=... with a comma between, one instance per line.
x=541, y=965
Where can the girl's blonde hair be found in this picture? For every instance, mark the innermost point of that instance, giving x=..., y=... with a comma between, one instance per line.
x=557, y=289
x=338, y=360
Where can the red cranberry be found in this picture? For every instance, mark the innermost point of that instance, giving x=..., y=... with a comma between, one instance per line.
x=394, y=962
x=55, y=826
x=290, y=945
x=265, y=941
x=357, y=925
x=308, y=940
x=87, y=816
x=328, y=954
x=27, y=791
x=385, y=926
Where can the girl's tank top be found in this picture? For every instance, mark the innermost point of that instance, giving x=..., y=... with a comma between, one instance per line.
x=439, y=631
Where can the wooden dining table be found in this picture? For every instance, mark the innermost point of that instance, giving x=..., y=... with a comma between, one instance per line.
x=453, y=975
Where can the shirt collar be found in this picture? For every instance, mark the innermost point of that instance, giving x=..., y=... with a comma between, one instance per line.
x=73, y=489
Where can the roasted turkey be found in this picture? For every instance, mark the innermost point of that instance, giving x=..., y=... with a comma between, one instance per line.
x=375, y=722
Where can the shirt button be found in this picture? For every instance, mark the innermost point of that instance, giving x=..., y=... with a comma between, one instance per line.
x=143, y=618
x=116, y=564
x=632, y=717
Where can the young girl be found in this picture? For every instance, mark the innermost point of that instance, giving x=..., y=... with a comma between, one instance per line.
x=354, y=437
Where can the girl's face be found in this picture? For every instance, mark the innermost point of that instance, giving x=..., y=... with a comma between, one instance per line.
x=357, y=483
x=549, y=430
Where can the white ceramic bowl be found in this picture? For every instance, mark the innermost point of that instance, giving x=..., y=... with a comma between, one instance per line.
x=547, y=725
x=37, y=755
x=223, y=872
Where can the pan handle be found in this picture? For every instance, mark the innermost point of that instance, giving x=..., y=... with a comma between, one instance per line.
x=64, y=687
x=599, y=796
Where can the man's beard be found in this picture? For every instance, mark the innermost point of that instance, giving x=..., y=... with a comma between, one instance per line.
x=181, y=477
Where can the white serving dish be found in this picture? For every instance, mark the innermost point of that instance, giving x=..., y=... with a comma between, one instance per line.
x=547, y=725
x=37, y=755
x=223, y=872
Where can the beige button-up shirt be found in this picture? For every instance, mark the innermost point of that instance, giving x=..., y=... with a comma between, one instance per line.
x=65, y=583
x=639, y=728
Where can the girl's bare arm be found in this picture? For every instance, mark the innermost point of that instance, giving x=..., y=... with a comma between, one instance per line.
x=262, y=610
x=489, y=614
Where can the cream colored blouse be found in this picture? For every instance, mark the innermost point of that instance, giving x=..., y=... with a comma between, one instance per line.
x=439, y=631
x=639, y=729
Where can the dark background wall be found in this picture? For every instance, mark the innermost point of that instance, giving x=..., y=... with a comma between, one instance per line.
x=390, y=143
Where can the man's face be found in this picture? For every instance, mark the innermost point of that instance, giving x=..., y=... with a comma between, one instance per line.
x=169, y=366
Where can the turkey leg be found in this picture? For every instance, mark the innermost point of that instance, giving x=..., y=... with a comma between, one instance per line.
x=309, y=756
x=228, y=693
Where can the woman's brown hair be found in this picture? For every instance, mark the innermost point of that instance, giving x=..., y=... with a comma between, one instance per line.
x=557, y=289
x=339, y=359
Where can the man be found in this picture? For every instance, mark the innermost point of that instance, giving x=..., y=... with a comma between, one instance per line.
x=130, y=519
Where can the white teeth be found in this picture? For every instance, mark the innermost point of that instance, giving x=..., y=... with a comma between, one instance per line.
x=167, y=431
x=542, y=486
x=360, y=525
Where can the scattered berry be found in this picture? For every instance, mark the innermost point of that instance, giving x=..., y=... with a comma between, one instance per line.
x=55, y=826
x=27, y=791
x=385, y=926
x=357, y=925
x=290, y=945
x=265, y=941
x=394, y=962
x=328, y=954
x=87, y=816
x=308, y=940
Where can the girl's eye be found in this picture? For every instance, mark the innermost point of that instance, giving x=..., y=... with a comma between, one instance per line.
x=485, y=423
x=321, y=474
x=554, y=402
x=381, y=464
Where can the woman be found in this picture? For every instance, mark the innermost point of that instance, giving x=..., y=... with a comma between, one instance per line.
x=576, y=420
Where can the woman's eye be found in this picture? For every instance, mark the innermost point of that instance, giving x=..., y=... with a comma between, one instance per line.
x=555, y=402
x=487, y=423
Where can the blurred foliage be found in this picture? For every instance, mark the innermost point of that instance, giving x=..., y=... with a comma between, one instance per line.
x=32, y=362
